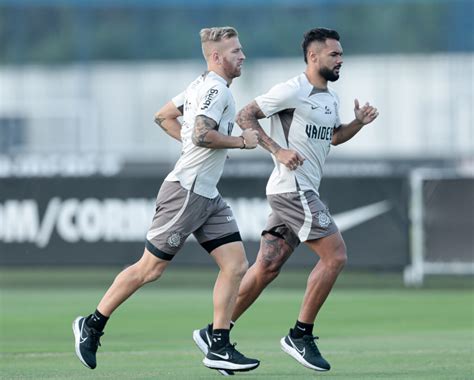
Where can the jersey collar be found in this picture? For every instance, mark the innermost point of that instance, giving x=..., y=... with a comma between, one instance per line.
x=314, y=90
x=216, y=76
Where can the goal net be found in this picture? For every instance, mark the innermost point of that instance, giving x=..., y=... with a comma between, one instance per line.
x=442, y=224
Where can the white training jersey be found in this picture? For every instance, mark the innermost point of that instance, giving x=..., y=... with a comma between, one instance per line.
x=199, y=169
x=302, y=118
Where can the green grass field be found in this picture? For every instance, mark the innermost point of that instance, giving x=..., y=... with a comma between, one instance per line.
x=368, y=329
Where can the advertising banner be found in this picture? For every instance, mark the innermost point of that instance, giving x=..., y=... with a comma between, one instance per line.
x=98, y=220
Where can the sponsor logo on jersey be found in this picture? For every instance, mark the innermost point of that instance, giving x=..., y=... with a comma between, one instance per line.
x=211, y=94
x=319, y=132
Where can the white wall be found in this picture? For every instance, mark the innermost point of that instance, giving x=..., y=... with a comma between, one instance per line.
x=425, y=101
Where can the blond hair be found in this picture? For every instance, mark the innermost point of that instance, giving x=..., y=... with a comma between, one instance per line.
x=216, y=34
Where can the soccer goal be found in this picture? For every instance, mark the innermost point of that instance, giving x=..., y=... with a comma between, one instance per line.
x=442, y=224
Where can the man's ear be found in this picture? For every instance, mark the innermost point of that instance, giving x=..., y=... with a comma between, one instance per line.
x=215, y=57
x=312, y=56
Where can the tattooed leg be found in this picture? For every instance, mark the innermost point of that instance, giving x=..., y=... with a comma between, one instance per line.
x=273, y=253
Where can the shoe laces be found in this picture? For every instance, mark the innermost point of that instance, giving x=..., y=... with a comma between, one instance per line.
x=95, y=337
x=233, y=350
x=310, y=340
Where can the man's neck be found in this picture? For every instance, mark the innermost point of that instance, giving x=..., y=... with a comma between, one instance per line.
x=315, y=79
x=219, y=72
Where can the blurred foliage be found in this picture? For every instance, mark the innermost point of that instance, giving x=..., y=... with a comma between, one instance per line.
x=66, y=33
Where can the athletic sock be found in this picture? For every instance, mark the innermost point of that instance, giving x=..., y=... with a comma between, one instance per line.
x=232, y=323
x=97, y=321
x=301, y=329
x=220, y=337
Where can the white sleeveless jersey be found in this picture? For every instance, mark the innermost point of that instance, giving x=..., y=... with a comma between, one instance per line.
x=302, y=118
x=199, y=169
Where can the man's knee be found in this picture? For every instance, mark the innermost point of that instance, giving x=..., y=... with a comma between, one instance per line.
x=148, y=269
x=339, y=259
x=241, y=268
x=270, y=271
x=274, y=252
x=143, y=275
x=154, y=273
x=236, y=268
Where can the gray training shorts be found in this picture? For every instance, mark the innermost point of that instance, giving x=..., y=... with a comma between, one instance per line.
x=299, y=216
x=180, y=212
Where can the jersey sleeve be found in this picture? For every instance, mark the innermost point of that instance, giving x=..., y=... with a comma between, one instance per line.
x=214, y=101
x=278, y=98
x=178, y=101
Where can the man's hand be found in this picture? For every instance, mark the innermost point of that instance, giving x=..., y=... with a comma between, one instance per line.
x=366, y=114
x=290, y=158
x=250, y=137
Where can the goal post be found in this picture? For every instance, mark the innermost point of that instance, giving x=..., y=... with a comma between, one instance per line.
x=441, y=212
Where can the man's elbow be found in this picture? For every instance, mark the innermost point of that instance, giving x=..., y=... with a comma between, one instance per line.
x=336, y=136
x=241, y=117
x=159, y=118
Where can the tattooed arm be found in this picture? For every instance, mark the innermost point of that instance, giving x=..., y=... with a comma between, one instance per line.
x=206, y=135
x=167, y=119
x=248, y=117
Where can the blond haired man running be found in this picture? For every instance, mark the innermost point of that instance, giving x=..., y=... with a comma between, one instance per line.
x=189, y=203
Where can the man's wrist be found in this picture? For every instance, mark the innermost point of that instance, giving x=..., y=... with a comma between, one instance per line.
x=244, y=145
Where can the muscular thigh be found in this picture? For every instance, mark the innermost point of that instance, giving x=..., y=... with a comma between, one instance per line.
x=329, y=246
x=274, y=251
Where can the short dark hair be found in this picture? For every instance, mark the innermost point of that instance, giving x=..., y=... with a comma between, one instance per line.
x=317, y=34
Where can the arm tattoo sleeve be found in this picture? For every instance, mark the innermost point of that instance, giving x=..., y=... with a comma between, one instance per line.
x=268, y=143
x=202, y=126
x=248, y=118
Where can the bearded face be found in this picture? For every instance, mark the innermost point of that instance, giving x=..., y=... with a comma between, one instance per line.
x=232, y=57
x=329, y=59
x=328, y=74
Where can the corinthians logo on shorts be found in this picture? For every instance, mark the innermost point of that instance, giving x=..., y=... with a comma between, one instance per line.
x=174, y=239
x=324, y=219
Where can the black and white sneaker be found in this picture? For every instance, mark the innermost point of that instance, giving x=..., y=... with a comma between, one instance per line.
x=305, y=351
x=229, y=358
x=202, y=338
x=87, y=340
